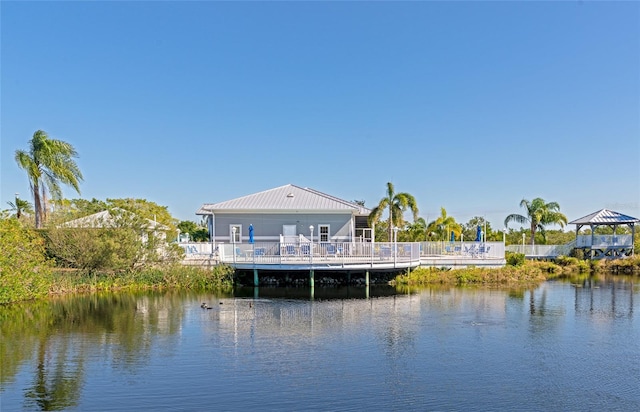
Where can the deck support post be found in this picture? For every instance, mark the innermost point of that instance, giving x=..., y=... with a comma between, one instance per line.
x=311, y=279
x=366, y=278
x=348, y=277
x=256, y=281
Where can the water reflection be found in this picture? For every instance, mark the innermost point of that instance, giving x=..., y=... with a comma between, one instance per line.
x=413, y=347
x=51, y=334
x=604, y=296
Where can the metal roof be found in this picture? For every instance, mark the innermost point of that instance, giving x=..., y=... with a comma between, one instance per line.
x=605, y=217
x=285, y=198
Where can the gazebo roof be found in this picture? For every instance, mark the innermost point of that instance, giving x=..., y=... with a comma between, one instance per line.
x=605, y=217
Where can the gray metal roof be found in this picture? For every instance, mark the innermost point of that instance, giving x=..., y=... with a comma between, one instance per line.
x=605, y=217
x=284, y=198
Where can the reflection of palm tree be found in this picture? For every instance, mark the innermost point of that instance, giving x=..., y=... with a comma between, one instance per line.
x=397, y=203
x=56, y=387
x=539, y=214
x=59, y=356
x=48, y=163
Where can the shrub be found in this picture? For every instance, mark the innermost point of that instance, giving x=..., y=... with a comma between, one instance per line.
x=24, y=272
x=577, y=253
x=514, y=259
x=118, y=246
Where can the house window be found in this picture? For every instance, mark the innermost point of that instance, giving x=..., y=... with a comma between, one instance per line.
x=235, y=230
x=323, y=233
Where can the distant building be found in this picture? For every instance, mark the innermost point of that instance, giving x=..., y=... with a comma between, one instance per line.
x=117, y=217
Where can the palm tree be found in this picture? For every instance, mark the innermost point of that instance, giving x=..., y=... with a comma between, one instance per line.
x=48, y=163
x=20, y=207
x=397, y=203
x=539, y=215
x=416, y=231
x=444, y=225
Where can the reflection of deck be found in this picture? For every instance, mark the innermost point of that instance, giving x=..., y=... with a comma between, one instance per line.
x=351, y=256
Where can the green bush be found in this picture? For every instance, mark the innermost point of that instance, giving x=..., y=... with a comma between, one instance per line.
x=24, y=272
x=514, y=259
x=577, y=253
x=122, y=244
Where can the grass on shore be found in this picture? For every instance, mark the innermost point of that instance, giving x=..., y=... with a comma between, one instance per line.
x=173, y=277
x=527, y=274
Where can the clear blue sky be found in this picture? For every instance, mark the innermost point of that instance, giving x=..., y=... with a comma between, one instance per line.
x=470, y=106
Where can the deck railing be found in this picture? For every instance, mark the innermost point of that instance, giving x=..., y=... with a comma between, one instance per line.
x=603, y=241
x=542, y=251
x=275, y=252
x=477, y=250
x=582, y=241
x=318, y=253
x=196, y=248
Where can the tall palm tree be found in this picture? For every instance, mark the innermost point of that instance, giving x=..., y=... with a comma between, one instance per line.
x=539, y=215
x=48, y=163
x=397, y=203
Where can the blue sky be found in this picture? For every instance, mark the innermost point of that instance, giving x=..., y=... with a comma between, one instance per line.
x=470, y=106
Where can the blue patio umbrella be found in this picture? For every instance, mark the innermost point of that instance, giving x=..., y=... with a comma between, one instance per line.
x=479, y=234
x=250, y=233
x=453, y=236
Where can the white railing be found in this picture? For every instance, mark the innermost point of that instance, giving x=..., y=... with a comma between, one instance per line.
x=603, y=241
x=482, y=250
x=278, y=252
x=318, y=253
x=542, y=250
x=196, y=248
x=582, y=241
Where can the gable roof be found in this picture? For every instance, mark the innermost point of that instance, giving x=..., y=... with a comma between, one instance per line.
x=605, y=217
x=285, y=198
x=105, y=219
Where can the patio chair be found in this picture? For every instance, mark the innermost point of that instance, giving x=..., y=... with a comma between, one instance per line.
x=331, y=249
x=238, y=252
x=290, y=250
x=304, y=249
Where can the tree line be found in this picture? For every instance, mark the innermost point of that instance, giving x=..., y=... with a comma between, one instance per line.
x=539, y=215
x=50, y=164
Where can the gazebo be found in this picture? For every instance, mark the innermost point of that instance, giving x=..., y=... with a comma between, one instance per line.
x=612, y=246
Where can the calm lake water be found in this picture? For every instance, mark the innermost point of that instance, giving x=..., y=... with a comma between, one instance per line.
x=561, y=346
